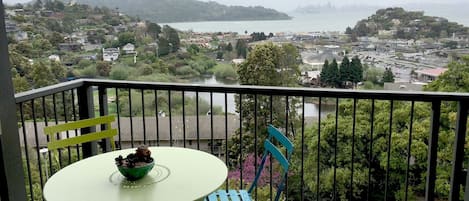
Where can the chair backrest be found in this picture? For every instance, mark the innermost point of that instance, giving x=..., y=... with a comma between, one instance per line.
x=274, y=152
x=75, y=125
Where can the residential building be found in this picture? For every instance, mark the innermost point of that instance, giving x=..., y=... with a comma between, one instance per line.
x=429, y=75
x=70, y=46
x=111, y=54
x=129, y=48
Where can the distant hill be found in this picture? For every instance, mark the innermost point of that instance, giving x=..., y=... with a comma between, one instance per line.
x=188, y=10
x=407, y=25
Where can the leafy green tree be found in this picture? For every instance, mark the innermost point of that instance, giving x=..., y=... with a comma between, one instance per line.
x=193, y=49
x=126, y=37
x=388, y=76
x=41, y=75
x=20, y=83
x=455, y=79
x=266, y=65
x=57, y=70
x=103, y=68
x=163, y=47
x=153, y=29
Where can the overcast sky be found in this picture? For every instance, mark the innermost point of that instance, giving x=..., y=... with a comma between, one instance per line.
x=288, y=5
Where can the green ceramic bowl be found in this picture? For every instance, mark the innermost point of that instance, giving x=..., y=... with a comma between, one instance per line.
x=136, y=173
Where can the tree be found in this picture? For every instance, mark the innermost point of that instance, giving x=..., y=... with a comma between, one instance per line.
x=103, y=68
x=241, y=48
x=163, y=47
x=41, y=75
x=388, y=76
x=57, y=70
x=325, y=73
x=348, y=30
x=126, y=37
x=455, y=79
x=266, y=65
x=356, y=70
x=172, y=36
x=229, y=47
x=345, y=71
x=153, y=29
x=219, y=55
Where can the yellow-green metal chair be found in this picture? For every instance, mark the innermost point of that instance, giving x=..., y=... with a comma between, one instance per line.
x=109, y=132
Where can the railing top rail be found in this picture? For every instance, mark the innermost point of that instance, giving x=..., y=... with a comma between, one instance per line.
x=285, y=91
x=246, y=89
x=49, y=90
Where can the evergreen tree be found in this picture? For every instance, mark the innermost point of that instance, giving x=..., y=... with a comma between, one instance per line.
x=103, y=68
x=388, y=76
x=241, y=48
x=335, y=76
x=356, y=70
x=325, y=73
x=345, y=71
x=229, y=47
x=172, y=36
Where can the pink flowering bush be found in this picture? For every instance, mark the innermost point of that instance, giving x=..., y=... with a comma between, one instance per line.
x=249, y=172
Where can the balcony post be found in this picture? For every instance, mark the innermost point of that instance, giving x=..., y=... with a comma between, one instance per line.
x=103, y=111
x=12, y=186
x=432, y=151
x=458, y=153
x=86, y=110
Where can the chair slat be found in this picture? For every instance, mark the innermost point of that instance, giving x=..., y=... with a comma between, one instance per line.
x=244, y=195
x=223, y=195
x=279, y=136
x=81, y=139
x=234, y=195
x=212, y=197
x=268, y=146
x=78, y=124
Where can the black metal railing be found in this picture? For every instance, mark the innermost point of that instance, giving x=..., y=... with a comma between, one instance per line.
x=350, y=145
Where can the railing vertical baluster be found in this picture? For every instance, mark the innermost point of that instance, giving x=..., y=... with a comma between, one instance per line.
x=255, y=140
x=170, y=120
x=118, y=118
x=432, y=151
x=458, y=153
x=302, y=196
x=409, y=153
x=391, y=108
x=334, y=195
x=287, y=109
x=241, y=140
x=46, y=123
x=226, y=134
x=103, y=111
x=319, y=151
x=372, y=115
x=197, y=118
x=74, y=113
x=183, y=118
x=131, y=120
x=26, y=152
x=54, y=102
x=64, y=104
x=353, y=146
x=39, y=163
x=157, y=119
x=211, y=122
x=271, y=119
x=143, y=117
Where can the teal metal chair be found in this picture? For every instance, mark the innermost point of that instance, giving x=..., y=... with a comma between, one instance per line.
x=269, y=150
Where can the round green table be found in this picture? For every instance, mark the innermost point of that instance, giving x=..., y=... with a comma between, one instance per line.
x=179, y=174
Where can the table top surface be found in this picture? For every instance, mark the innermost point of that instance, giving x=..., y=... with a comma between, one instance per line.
x=179, y=174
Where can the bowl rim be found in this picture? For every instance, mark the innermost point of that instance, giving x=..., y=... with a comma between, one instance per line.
x=146, y=165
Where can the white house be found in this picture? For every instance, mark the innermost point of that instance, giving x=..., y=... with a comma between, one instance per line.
x=54, y=57
x=129, y=48
x=110, y=54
